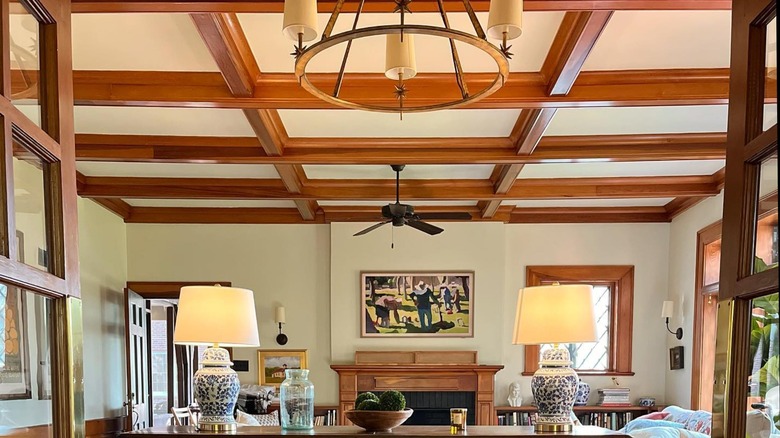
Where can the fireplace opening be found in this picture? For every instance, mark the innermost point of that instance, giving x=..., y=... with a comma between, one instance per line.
x=432, y=408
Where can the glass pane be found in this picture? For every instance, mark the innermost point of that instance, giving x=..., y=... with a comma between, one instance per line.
x=159, y=349
x=25, y=362
x=770, y=109
x=30, y=208
x=711, y=263
x=25, y=61
x=764, y=382
x=593, y=355
x=766, y=230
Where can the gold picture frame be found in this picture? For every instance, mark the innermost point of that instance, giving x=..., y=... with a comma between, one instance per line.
x=272, y=363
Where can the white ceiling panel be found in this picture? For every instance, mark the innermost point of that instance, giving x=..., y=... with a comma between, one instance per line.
x=155, y=42
x=637, y=202
x=446, y=123
x=663, y=39
x=410, y=172
x=162, y=121
x=416, y=203
x=610, y=169
x=205, y=203
x=272, y=49
x=177, y=170
x=639, y=120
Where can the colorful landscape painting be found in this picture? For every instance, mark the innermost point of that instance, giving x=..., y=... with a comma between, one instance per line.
x=273, y=363
x=417, y=304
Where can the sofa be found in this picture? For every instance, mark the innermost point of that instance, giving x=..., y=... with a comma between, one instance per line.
x=674, y=422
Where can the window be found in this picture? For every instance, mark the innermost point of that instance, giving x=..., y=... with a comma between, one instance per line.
x=613, y=297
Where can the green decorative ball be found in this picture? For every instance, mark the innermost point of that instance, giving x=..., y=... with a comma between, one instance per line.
x=392, y=401
x=365, y=396
x=369, y=405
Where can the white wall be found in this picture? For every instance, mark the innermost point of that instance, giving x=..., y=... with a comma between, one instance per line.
x=283, y=264
x=643, y=245
x=682, y=290
x=103, y=273
x=314, y=270
x=474, y=247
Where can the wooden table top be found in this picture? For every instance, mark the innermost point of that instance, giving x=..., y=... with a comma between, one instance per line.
x=354, y=431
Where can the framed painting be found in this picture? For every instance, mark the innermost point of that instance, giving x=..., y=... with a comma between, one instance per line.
x=417, y=304
x=271, y=365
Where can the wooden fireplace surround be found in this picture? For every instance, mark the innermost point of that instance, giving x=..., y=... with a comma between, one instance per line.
x=418, y=371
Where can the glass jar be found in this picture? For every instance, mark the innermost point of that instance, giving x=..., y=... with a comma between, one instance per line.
x=296, y=400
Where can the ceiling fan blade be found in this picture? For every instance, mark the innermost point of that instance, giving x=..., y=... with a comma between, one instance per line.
x=371, y=228
x=445, y=216
x=424, y=227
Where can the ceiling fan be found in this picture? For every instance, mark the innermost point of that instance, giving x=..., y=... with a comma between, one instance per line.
x=403, y=214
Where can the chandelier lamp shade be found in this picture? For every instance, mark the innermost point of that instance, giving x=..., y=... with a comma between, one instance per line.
x=300, y=25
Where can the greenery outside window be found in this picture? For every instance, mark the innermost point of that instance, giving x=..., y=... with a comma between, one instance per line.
x=613, y=289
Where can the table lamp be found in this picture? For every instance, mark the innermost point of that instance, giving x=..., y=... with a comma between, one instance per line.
x=220, y=316
x=557, y=314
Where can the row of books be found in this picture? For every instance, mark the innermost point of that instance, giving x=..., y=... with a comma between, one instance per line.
x=328, y=417
x=608, y=420
x=517, y=419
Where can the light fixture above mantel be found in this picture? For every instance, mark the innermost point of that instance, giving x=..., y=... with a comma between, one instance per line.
x=504, y=24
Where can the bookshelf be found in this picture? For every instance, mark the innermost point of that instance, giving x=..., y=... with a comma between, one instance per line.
x=608, y=417
x=324, y=415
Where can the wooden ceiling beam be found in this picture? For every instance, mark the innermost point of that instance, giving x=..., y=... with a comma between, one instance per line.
x=522, y=90
x=576, y=37
x=574, y=40
x=115, y=205
x=477, y=190
x=326, y=6
x=507, y=214
x=466, y=150
x=227, y=43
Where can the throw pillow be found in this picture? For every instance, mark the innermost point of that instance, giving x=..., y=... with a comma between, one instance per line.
x=639, y=424
x=271, y=419
x=246, y=419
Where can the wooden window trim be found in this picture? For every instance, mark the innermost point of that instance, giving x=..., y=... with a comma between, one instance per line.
x=710, y=234
x=621, y=280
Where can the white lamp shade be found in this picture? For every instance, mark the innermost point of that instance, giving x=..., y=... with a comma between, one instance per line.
x=300, y=17
x=280, y=315
x=667, y=311
x=505, y=16
x=216, y=315
x=399, y=56
x=555, y=315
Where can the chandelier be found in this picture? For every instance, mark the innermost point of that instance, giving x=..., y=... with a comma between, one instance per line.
x=300, y=25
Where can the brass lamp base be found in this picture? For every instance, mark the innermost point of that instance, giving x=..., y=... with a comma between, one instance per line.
x=550, y=427
x=217, y=427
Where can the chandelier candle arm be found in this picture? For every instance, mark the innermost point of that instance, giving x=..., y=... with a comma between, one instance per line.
x=464, y=90
x=340, y=78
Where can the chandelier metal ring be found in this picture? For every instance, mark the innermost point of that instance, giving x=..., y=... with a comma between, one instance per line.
x=494, y=52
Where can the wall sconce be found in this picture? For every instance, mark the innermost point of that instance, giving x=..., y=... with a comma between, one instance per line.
x=281, y=338
x=667, y=312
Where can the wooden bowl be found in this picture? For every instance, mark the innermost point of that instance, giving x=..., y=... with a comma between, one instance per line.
x=378, y=421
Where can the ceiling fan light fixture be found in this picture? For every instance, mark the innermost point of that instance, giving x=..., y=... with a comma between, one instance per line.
x=505, y=18
x=300, y=20
x=400, y=62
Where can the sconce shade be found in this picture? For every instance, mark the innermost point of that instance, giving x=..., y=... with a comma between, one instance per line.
x=505, y=16
x=667, y=311
x=555, y=315
x=300, y=17
x=399, y=57
x=280, y=315
x=214, y=314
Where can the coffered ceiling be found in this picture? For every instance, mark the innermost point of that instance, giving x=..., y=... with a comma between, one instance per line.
x=187, y=109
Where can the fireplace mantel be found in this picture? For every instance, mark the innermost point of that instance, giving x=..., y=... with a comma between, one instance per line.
x=418, y=371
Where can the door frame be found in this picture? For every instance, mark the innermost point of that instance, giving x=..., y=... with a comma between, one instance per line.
x=152, y=290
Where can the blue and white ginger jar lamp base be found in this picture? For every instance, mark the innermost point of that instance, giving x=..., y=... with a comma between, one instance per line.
x=216, y=389
x=554, y=386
